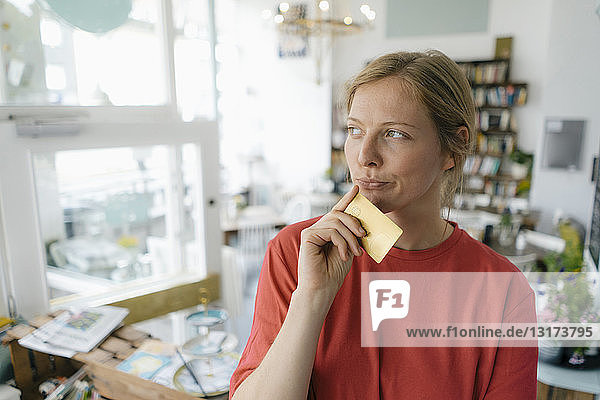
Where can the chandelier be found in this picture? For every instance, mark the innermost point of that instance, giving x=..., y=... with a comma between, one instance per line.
x=322, y=22
x=328, y=18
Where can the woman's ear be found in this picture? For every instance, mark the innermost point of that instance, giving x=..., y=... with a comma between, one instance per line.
x=463, y=132
x=449, y=164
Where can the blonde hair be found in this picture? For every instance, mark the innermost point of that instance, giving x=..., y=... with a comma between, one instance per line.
x=440, y=85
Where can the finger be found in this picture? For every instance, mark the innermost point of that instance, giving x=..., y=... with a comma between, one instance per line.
x=321, y=237
x=338, y=240
x=348, y=236
x=351, y=222
x=344, y=201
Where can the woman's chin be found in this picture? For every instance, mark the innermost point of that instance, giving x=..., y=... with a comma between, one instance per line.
x=377, y=199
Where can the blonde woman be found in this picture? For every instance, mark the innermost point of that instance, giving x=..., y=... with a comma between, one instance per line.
x=410, y=128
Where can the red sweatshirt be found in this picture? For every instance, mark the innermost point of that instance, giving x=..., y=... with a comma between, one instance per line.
x=345, y=370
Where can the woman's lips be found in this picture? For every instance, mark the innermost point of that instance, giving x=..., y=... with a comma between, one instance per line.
x=371, y=184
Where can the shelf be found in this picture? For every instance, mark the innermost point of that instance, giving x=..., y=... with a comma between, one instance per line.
x=495, y=177
x=484, y=61
x=498, y=107
x=491, y=196
x=473, y=191
x=498, y=132
x=498, y=84
x=490, y=107
x=491, y=154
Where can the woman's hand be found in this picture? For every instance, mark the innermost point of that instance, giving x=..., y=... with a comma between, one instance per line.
x=327, y=249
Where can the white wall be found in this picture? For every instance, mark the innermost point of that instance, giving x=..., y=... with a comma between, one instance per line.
x=285, y=115
x=572, y=91
x=556, y=50
x=527, y=21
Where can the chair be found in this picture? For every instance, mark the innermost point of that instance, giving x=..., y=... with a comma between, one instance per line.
x=252, y=245
x=232, y=283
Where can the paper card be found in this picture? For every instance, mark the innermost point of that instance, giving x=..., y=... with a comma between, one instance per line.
x=382, y=232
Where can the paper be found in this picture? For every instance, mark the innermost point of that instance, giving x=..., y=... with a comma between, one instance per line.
x=79, y=330
x=382, y=232
x=143, y=364
x=33, y=343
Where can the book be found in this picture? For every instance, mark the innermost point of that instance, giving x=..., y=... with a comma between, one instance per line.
x=148, y=359
x=503, y=49
x=76, y=330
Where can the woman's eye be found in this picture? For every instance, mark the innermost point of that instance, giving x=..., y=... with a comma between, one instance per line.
x=395, y=134
x=353, y=131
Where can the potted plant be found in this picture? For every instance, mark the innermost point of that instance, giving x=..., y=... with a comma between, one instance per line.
x=569, y=297
x=522, y=164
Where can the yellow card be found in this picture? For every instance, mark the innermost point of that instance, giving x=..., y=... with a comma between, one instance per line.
x=382, y=232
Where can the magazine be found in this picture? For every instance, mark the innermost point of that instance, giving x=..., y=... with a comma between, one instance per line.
x=148, y=359
x=78, y=330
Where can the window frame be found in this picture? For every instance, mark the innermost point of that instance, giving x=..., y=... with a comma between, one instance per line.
x=23, y=245
x=23, y=291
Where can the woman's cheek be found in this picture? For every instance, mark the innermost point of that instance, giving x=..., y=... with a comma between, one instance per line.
x=351, y=155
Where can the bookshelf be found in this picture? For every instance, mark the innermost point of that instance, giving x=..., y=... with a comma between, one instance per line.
x=489, y=171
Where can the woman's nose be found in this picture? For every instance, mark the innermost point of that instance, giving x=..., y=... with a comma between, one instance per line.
x=369, y=152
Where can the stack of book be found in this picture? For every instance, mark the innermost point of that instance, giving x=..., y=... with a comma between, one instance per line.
x=487, y=165
x=497, y=145
x=75, y=330
x=500, y=96
x=486, y=72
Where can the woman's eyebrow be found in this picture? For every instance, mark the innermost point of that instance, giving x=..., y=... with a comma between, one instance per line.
x=384, y=123
x=398, y=123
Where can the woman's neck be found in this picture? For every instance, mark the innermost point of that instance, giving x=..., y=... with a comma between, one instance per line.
x=421, y=233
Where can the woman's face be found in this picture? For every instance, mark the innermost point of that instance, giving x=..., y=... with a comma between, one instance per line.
x=392, y=148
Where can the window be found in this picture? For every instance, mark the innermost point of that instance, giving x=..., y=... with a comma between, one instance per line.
x=116, y=207
x=106, y=202
x=51, y=62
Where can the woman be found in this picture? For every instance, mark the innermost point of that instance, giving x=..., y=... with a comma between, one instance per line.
x=410, y=128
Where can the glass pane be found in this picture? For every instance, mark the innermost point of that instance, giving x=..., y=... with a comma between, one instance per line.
x=116, y=215
x=47, y=61
x=192, y=51
x=192, y=77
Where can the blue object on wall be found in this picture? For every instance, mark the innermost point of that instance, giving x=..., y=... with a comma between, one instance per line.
x=96, y=16
x=435, y=17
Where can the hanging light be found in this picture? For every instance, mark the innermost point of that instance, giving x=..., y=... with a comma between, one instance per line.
x=324, y=5
x=326, y=18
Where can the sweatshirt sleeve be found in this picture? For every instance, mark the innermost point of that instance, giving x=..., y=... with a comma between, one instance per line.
x=275, y=286
x=515, y=368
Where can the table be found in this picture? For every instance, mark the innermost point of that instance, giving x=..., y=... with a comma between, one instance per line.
x=586, y=383
x=258, y=215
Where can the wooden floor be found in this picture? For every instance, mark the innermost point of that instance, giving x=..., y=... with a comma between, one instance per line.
x=545, y=392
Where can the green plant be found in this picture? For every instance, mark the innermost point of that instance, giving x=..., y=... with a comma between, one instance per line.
x=506, y=218
x=520, y=157
x=571, y=258
x=573, y=300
